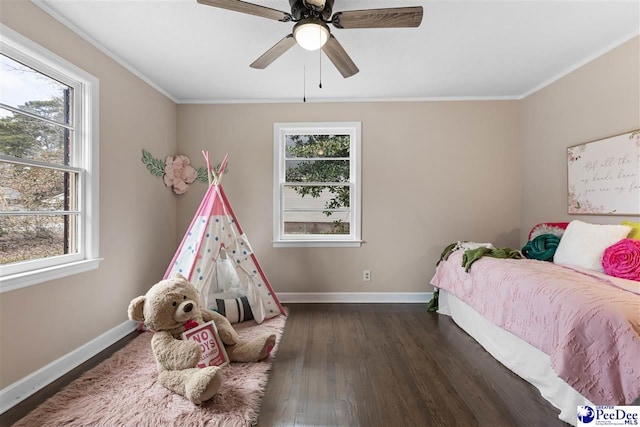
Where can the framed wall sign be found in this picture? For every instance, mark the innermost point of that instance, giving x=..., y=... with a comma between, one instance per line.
x=604, y=176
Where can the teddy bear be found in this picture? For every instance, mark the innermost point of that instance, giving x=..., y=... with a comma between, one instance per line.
x=169, y=308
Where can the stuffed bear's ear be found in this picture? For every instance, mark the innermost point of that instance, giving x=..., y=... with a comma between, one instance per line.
x=135, y=311
x=176, y=275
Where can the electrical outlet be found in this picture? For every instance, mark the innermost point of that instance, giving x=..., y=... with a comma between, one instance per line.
x=366, y=275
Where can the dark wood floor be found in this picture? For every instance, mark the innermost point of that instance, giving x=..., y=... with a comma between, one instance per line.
x=378, y=365
x=391, y=365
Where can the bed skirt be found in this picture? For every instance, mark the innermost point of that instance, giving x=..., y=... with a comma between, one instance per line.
x=522, y=358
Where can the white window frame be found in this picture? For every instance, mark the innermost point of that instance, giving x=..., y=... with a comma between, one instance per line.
x=280, y=132
x=85, y=161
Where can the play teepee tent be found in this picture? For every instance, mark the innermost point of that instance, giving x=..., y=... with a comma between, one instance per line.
x=216, y=257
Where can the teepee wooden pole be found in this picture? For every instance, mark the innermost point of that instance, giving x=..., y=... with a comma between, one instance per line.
x=222, y=167
x=209, y=171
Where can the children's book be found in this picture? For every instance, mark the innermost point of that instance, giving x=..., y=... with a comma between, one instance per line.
x=213, y=352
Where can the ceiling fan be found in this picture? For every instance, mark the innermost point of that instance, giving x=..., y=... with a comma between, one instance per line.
x=311, y=31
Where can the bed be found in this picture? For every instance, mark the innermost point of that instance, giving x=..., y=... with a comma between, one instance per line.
x=573, y=333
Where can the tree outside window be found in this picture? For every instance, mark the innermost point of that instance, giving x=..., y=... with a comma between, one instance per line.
x=36, y=197
x=49, y=144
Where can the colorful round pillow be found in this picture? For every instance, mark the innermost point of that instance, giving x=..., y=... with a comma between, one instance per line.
x=622, y=259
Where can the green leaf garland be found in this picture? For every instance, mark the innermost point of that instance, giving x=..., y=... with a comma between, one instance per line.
x=155, y=166
x=202, y=175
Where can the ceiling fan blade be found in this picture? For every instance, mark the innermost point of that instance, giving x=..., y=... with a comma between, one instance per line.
x=249, y=8
x=333, y=49
x=379, y=18
x=274, y=53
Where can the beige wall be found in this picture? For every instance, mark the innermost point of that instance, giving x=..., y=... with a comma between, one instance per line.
x=432, y=173
x=41, y=323
x=598, y=100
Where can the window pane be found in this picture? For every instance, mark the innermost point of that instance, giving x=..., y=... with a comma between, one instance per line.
x=316, y=210
x=314, y=146
x=31, y=237
x=25, y=88
x=29, y=188
x=317, y=171
x=316, y=223
x=315, y=197
x=28, y=138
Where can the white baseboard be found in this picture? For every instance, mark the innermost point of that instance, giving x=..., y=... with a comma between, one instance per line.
x=355, y=297
x=21, y=389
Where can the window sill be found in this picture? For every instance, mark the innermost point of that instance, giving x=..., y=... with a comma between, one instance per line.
x=317, y=243
x=22, y=280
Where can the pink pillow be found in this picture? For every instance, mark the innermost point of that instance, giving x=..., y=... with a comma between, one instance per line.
x=622, y=259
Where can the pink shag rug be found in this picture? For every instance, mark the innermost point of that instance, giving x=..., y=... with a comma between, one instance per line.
x=123, y=391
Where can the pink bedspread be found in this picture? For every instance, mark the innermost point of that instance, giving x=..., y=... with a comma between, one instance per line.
x=589, y=327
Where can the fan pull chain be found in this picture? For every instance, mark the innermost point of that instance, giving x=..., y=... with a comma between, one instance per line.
x=304, y=79
x=320, y=55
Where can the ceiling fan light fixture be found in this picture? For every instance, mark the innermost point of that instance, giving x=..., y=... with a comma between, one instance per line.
x=311, y=34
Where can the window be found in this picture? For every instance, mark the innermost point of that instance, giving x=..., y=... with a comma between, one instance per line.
x=316, y=184
x=48, y=165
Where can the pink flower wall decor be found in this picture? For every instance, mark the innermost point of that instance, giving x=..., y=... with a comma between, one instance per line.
x=178, y=173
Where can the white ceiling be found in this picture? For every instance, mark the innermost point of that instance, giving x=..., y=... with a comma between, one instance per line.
x=463, y=49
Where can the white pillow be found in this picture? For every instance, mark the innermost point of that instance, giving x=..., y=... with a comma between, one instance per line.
x=583, y=244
